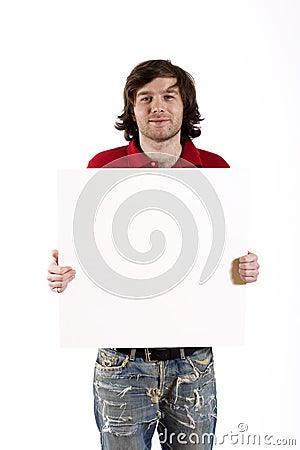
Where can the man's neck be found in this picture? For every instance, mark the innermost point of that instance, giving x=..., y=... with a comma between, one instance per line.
x=166, y=152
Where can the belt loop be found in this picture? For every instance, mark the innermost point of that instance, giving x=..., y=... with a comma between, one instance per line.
x=132, y=354
x=147, y=355
x=182, y=354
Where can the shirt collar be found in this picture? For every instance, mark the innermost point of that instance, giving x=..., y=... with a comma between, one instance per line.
x=140, y=159
x=189, y=157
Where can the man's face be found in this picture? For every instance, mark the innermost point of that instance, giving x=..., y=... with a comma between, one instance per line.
x=158, y=109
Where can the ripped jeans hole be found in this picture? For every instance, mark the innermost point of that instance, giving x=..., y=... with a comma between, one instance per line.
x=199, y=399
x=154, y=394
x=124, y=430
x=189, y=377
x=123, y=392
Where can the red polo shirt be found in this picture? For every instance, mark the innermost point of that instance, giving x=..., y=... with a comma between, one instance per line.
x=191, y=154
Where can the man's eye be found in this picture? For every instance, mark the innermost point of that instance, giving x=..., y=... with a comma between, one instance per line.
x=146, y=99
x=169, y=97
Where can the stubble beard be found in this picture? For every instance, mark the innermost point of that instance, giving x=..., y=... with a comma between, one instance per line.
x=160, y=136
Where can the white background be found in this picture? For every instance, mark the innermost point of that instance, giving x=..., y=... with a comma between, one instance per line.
x=63, y=67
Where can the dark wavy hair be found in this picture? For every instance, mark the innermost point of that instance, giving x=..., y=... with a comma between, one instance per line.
x=144, y=73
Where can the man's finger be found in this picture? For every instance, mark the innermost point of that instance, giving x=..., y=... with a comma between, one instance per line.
x=58, y=277
x=248, y=273
x=249, y=279
x=249, y=265
x=65, y=269
x=58, y=270
x=251, y=257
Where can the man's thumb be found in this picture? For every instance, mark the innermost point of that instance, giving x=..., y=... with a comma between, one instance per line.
x=55, y=255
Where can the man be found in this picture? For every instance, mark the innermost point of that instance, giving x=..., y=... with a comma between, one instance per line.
x=136, y=388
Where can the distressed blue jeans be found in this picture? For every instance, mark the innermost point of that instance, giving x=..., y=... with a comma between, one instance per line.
x=133, y=396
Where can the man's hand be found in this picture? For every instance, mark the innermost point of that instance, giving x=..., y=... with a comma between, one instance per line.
x=59, y=276
x=248, y=268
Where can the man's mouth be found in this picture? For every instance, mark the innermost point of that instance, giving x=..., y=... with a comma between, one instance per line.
x=160, y=121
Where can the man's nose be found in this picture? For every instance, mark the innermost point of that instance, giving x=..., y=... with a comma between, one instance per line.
x=157, y=105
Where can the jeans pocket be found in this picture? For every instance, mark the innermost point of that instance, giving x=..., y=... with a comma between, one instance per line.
x=110, y=363
x=202, y=361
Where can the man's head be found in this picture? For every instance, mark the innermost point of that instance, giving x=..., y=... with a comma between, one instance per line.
x=178, y=81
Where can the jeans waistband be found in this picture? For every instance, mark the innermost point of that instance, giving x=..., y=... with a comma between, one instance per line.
x=158, y=354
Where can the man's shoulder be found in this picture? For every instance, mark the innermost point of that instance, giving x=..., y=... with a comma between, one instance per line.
x=202, y=158
x=212, y=160
x=107, y=156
